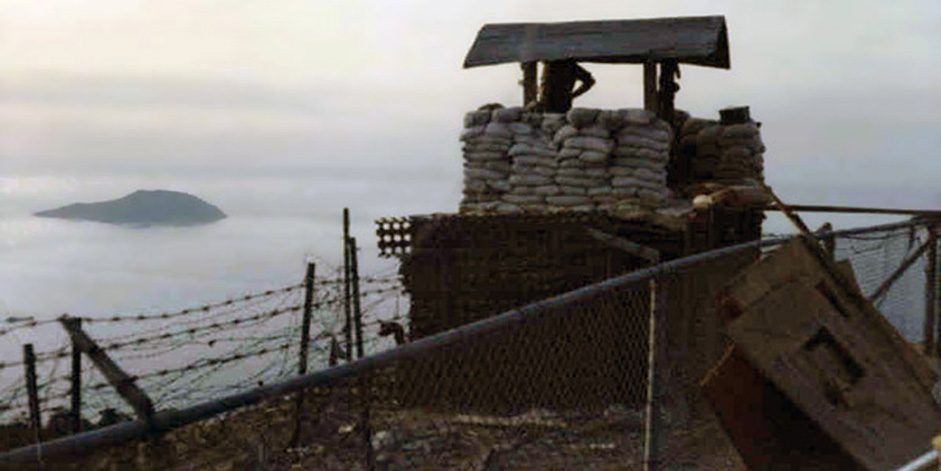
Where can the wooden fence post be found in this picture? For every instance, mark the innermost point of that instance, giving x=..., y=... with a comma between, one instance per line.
x=121, y=381
x=305, y=348
x=305, y=323
x=76, y=390
x=348, y=328
x=365, y=383
x=357, y=311
x=35, y=420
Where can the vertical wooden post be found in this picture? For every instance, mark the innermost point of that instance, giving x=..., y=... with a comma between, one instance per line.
x=305, y=323
x=656, y=361
x=365, y=383
x=76, y=385
x=35, y=420
x=530, y=84
x=931, y=287
x=348, y=328
x=305, y=348
x=357, y=312
x=121, y=381
x=667, y=90
x=650, y=86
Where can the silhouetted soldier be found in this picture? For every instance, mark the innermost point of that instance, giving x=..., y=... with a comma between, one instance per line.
x=558, y=82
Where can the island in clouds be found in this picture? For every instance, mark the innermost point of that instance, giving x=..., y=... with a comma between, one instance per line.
x=143, y=208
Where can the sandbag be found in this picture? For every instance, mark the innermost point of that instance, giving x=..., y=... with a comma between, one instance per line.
x=547, y=190
x=634, y=162
x=568, y=200
x=590, y=143
x=621, y=171
x=573, y=190
x=500, y=186
x=584, y=182
x=621, y=192
x=600, y=191
x=634, y=116
x=522, y=199
x=485, y=156
x=506, y=208
x=472, y=172
x=521, y=129
x=595, y=131
x=642, y=153
x=610, y=120
x=571, y=163
x=471, y=132
x=582, y=117
x=534, y=170
x=646, y=174
x=593, y=157
x=529, y=160
x=497, y=165
x=507, y=115
x=565, y=132
x=569, y=153
x=498, y=130
x=742, y=131
x=533, y=180
x=647, y=132
x=630, y=140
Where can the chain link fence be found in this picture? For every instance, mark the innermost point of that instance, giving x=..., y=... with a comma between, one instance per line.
x=601, y=377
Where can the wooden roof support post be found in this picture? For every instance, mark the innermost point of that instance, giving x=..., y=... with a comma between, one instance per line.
x=669, y=70
x=121, y=381
x=530, y=85
x=650, y=86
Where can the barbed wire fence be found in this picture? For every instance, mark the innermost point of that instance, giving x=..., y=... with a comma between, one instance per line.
x=182, y=357
x=576, y=381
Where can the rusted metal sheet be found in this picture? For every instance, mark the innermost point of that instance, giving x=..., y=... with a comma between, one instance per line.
x=692, y=40
x=802, y=323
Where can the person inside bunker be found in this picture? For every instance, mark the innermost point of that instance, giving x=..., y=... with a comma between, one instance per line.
x=558, y=81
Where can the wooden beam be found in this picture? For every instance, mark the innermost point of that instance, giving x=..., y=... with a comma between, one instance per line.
x=530, y=85
x=650, y=86
x=853, y=209
x=620, y=243
x=121, y=381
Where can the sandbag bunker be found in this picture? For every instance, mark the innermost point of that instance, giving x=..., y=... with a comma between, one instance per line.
x=517, y=160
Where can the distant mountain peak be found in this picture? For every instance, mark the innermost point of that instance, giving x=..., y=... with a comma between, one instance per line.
x=143, y=207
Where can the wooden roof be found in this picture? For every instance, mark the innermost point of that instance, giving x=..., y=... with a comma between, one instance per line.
x=699, y=40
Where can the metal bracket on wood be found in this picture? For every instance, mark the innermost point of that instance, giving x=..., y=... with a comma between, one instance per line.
x=121, y=381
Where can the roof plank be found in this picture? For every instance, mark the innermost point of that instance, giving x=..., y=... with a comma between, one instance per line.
x=699, y=40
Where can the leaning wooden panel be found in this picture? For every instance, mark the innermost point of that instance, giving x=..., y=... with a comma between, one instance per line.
x=767, y=429
x=834, y=357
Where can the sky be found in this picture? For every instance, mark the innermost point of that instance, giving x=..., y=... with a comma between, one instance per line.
x=849, y=92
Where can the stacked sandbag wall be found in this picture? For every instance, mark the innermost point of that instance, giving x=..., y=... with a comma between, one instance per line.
x=585, y=160
x=723, y=153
